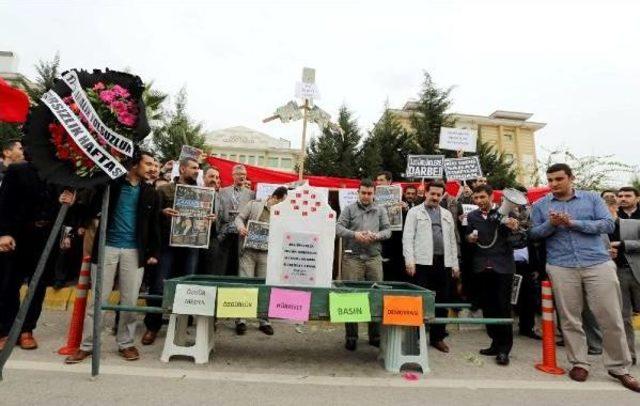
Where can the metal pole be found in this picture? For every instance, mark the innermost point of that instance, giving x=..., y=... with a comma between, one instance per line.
x=304, y=139
x=33, y=284
x=97, y=285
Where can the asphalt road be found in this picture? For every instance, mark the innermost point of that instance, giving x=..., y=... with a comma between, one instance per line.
x=291, y=368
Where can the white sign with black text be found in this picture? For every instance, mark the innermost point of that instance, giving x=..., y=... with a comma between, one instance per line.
x=458, y=139
x=194, y=300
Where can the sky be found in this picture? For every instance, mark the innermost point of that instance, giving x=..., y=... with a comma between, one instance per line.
x=574, y=64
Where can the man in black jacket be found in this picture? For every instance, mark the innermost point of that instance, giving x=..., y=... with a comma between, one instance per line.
x=28, y=208
x=133, y=240
x=493, y=265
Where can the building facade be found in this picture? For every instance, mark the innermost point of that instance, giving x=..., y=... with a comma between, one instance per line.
x=509, y=132
x=242, y=144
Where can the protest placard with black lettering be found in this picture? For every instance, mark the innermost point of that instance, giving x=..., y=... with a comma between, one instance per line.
x=462, y=168
x=257, y=235
x=458, y=139
x=424, y=166
x=188, y=151
x=191, y=228
x=390, y=197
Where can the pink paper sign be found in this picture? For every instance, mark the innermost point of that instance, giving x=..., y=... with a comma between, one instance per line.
x=289, y=304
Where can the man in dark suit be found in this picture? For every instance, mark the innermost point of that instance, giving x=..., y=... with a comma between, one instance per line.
x=28, y=208
x=493, y=265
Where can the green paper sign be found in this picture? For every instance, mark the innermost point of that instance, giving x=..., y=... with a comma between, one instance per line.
x=349, y=307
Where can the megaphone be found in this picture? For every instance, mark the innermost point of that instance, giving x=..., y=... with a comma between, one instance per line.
x=511, y=199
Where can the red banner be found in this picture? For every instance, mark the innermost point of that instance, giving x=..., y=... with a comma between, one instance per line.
x=258, y=174
x=14, y=104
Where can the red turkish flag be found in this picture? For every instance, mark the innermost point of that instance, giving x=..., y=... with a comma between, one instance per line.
x=14, y=104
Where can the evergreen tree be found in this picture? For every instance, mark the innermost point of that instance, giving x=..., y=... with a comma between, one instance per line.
x=47, y=72
x=177, y=129
x=386, y=148
x=429, y=115
x=499, y=171
x=10, y=131
x=334, y=153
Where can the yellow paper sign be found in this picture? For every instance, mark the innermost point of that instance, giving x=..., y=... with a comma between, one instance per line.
x=237, y=303
x=402, y=310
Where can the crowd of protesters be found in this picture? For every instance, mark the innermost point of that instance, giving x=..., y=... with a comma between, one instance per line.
x=588, y=245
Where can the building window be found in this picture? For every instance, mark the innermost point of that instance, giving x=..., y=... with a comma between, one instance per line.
x=242, y=158
x=232, y=157
x=223, y=156
x=273, y=162
x=261, y=161
x=251, y=160
x=508, y=136
x=508, y=158
x=286, y=163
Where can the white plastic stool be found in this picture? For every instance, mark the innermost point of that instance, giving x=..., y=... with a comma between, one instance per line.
x=402, y=345
x=176, y=341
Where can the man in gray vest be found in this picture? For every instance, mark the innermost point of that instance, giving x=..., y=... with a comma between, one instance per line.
x=232, y=199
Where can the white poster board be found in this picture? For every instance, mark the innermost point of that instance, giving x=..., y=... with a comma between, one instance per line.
x=346, y=197
x=265, y=190
x=300, y=258
x=194, y=300
x=302, y=231
x=458, y=139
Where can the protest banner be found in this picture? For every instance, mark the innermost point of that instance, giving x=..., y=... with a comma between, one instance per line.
x=237, y=303
x=389, y=197
x=346, y=197
x=462, y=168
x=458, y=139
x=191, y=228
x=194, y=300
x=289, y=304
x=257, y=235
x=424, y=166
x=349, y=307
x=402, y=310
x=188, y=151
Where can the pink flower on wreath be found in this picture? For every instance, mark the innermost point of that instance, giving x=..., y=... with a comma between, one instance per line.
x=98, y=86
x=107, y=96
x=120, y=91
x=127, y=119
x=119, y=107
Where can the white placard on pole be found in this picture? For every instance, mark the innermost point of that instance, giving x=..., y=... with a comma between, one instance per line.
x=346, y=197
x=194, y=300
x=458, y=139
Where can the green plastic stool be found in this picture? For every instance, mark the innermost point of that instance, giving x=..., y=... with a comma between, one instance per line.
x=401, y=345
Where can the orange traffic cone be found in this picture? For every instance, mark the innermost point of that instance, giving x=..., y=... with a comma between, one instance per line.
x=77, y=316
x=548, y=333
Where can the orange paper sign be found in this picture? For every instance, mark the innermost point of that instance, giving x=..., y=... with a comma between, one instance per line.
x=403, y=310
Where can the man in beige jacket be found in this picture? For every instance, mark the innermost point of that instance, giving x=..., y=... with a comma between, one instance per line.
x=431, y=253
